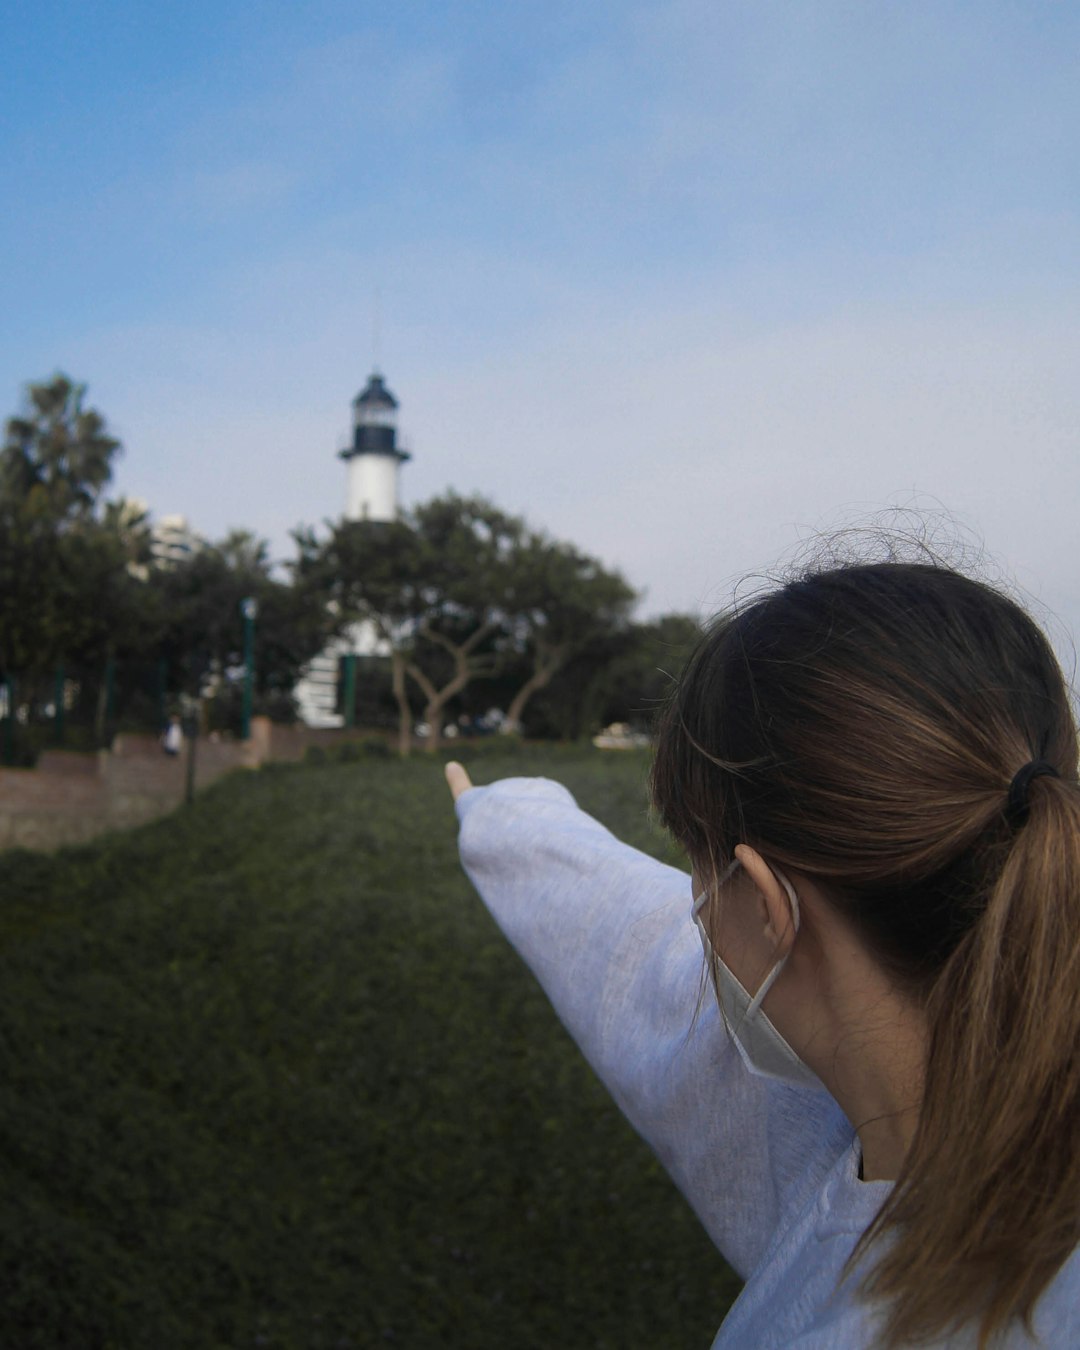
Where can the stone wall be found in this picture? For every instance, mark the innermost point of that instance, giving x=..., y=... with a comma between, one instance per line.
x=69, y=798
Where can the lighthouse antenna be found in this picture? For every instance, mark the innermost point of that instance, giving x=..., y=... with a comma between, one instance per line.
x=376, y=328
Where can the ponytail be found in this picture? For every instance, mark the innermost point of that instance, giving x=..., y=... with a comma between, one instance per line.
x=985, y=1211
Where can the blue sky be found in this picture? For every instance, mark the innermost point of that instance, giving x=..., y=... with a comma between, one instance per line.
x=683, y=282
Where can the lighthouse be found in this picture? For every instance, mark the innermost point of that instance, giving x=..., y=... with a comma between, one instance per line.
x=373, y=459
x=373, y=456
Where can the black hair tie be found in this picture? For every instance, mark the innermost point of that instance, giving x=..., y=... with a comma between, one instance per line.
x=1017, y=806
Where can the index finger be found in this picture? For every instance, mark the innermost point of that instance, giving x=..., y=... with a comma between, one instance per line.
x=457, y=778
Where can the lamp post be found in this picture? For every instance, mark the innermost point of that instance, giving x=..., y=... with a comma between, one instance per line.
x=349, y=691
x=249, y=608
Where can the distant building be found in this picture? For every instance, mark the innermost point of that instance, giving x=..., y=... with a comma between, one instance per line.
x=374, y=459
x=173, y=541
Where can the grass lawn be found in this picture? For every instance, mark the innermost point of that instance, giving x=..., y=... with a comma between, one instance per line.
x=270, y=1077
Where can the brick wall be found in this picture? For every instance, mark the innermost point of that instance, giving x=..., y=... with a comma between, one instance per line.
x=69, y=798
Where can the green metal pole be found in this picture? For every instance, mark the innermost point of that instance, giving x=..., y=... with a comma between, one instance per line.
x=350, y=690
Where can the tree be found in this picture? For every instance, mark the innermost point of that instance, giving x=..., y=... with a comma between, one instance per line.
x=458, y=590
x=435, y=585
x=564, y=602
x=56, y=548
x=625, y=676
x=469, y=553
x=202, y=632
x=368, y=572
x=57, y=454
x=638, y=681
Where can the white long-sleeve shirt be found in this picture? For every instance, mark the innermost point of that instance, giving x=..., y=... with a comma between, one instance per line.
x=770, y=1170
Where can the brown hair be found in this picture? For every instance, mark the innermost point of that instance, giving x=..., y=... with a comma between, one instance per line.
x=862, y=726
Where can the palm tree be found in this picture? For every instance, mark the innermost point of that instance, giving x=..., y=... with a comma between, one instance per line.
x=57, y=456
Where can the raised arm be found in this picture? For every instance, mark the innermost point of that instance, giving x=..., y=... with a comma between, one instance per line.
x=606, y=930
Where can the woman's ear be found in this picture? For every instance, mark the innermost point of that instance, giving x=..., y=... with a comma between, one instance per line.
x=774, y=904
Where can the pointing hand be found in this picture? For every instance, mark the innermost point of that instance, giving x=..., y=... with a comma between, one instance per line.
x=457, y=779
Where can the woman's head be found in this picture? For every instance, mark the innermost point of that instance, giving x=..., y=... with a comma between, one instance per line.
x=862, y=727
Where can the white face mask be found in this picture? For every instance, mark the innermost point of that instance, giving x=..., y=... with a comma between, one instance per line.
x=761, y=1047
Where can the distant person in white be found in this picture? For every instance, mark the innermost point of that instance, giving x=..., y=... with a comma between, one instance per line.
x=873, y=770
x=173, y=739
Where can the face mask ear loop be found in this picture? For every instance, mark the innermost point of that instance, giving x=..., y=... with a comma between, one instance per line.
x=700, y=901
x=770, y=979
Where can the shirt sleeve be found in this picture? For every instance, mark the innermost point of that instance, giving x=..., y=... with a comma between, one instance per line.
x=606, y=929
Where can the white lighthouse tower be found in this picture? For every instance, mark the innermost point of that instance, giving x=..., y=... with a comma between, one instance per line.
x=374, y=457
